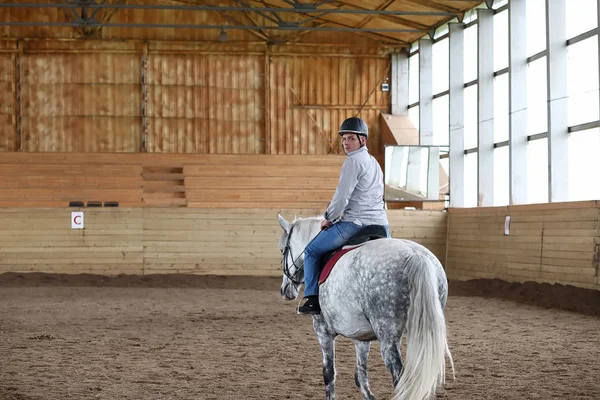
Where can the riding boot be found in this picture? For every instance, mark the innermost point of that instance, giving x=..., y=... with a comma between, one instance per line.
x=310, y=306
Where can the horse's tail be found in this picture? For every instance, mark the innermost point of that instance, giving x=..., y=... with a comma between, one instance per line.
x=427, y=345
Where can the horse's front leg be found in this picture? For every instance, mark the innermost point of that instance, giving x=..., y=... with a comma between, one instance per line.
x=327, y=342
x=361, y=378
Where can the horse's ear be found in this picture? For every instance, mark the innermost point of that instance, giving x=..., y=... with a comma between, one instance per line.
x=284, y=224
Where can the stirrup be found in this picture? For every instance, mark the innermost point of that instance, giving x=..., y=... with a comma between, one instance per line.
x=310, y=306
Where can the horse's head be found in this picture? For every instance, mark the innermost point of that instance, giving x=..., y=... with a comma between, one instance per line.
x=294, y=239
x=292, y=260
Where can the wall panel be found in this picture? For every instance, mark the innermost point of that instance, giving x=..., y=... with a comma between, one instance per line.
x=80, y=102
x=7, y=102
x=99, y=96
x=312, y=95
x=210, y=103
x=152, y=240
x=554, y=243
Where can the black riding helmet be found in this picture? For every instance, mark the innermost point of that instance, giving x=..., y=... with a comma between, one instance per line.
x=354, y=125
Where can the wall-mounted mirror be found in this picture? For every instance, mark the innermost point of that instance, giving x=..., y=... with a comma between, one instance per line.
x=415, y=173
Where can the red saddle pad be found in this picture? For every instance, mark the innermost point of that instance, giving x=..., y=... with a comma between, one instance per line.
x=331, y=262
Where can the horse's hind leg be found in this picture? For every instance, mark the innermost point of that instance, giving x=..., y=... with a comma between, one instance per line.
x=361, y=378
x=390, y=352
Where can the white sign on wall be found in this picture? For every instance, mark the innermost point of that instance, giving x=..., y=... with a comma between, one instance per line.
x=77, y=220
x=507, y=225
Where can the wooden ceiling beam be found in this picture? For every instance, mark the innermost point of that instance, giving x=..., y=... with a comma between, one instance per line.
x=375, y=36
x=391, y=18
x=370, y=17
x=435, y=5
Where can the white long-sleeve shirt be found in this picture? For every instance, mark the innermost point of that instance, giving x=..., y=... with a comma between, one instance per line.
x=359, y=195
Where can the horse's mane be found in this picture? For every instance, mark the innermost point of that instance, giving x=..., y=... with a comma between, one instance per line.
x=307, y=227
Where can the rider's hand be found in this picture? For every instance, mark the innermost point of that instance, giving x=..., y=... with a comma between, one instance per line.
x=325, y=224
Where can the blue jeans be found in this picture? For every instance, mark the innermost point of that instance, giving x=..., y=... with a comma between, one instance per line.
x=328, y=240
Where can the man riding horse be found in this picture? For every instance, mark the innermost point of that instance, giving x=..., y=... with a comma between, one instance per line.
x=357, y=202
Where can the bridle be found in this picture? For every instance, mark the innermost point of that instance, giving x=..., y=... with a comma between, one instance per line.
x=295, y=277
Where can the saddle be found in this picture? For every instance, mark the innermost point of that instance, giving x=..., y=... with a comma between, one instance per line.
x=369, y=232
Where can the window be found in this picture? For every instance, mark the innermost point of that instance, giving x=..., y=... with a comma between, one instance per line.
x=582, y=81
x=470, y=199
x=580, y=16
x=501, y=40
x=501, y=108
x=584, y=165
x=470, y=55
x=537, y=171
x=501, y=195
x=499, y=3
x=537, y=107
x=470, y=110
x=413, y=79
x=441, y=121
x=536, y=26
x=441, y=66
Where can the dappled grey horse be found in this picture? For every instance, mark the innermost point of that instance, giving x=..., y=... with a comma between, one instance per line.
x=379, y=291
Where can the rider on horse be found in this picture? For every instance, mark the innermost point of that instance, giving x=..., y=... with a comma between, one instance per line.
x=357, y=202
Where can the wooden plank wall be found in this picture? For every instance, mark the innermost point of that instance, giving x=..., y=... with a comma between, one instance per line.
x=197, y=98
x=212, y=103
x=80, y=102
x=311, y=96
x=7, y=102
x=262, y=181
x=554, y=243
x=55, y=185
x=41, y=240
x=153, y=240
x=151, y=180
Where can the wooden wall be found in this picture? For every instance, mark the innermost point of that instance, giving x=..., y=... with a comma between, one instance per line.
x=158, y=97
x=168, y=180
x=171, y=240
x=554, y=243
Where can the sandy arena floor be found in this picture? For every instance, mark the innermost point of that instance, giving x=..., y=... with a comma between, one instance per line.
x=234, y=338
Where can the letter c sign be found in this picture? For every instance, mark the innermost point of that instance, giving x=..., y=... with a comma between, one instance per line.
x=77, y=220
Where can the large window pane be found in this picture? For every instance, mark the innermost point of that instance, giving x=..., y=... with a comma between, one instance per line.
x=536, y=26
x=441, y=65
x=537, y=107
x=501, y=40
x=584, y=165
x=580, y=16
x=470, y=132
x=582, y=81
x=470, y=56
x=470, y=180
x=441, y=121
x=413, y=79
x=501, y=176
x=501, y=108
x=537, y=171
x=499, y=3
